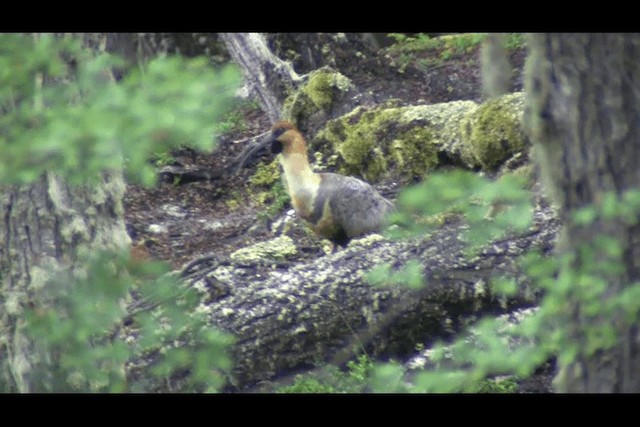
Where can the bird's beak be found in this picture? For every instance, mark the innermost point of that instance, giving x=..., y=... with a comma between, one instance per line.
x=262, y=147
x=269, y=140
x=259, y=147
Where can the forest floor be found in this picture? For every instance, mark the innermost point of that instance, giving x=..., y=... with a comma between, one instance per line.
x=177, y=223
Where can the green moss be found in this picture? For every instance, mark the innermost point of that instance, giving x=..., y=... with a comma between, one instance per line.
x=493, y=132
x=410, y=48
x=278, y=197
x=408, y=150
x=268, y=188
x=459, y=44
x=322, y=84
x=360, y=144
x=403, y=139
x=406, y=140
x=266, y=174
x=233, y=202
x=321, y=89
x=405, y=43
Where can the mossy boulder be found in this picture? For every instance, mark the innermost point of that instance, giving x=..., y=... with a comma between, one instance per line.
x=493, y=132
x=402, y=140
x=313, y=103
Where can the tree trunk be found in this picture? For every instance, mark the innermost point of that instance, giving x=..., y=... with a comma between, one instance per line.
x=583, y=110
x=271, y=78
x=45, y=226
x=495, y=66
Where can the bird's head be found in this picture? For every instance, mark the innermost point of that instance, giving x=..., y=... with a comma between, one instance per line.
x=283, y=137
x=286, y=138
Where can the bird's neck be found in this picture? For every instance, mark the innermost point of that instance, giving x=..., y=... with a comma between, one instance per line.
x=297, y=170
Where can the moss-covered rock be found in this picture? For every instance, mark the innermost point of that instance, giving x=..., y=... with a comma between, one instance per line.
x=315, y=99
x=493, y=132
x=405, y=140
x=280, y=248
x=322, y=84
x=359, y=139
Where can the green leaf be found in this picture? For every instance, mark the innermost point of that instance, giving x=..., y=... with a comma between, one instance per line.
x=585, y=215
x=506, y=286
x=388, y=378
x=379, y=275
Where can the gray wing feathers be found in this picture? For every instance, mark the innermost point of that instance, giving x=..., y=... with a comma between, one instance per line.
x=356, y=205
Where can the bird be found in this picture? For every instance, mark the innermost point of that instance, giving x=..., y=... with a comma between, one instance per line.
x=336, y=207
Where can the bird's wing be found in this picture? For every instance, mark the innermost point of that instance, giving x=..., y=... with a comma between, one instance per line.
x=354, y=204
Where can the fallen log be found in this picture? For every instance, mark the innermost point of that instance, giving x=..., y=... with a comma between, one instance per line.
x=293, y=317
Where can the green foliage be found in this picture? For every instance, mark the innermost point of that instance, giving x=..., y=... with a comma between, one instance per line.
x=70, y=331
x=308, y=385
x=448, y=45
x=332, y=380
x=515, y=41
x=406, y=47
x=498, y=385
x=77, y=332
x=234, y=120
x=491, y=208
x=586, y=305
x=63, y=112
x=406, y=43
x=410, y=275
x=388, y=378
x=427, y=52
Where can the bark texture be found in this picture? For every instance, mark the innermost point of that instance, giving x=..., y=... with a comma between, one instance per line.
x=583, y=110
x=45, y=227
x=271, y=78
x=496, y=68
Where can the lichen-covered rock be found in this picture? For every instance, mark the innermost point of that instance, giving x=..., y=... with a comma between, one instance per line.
x=279, y=248
x=493, y=132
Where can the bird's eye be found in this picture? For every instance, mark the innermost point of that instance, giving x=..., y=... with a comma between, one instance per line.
x=276, y=146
